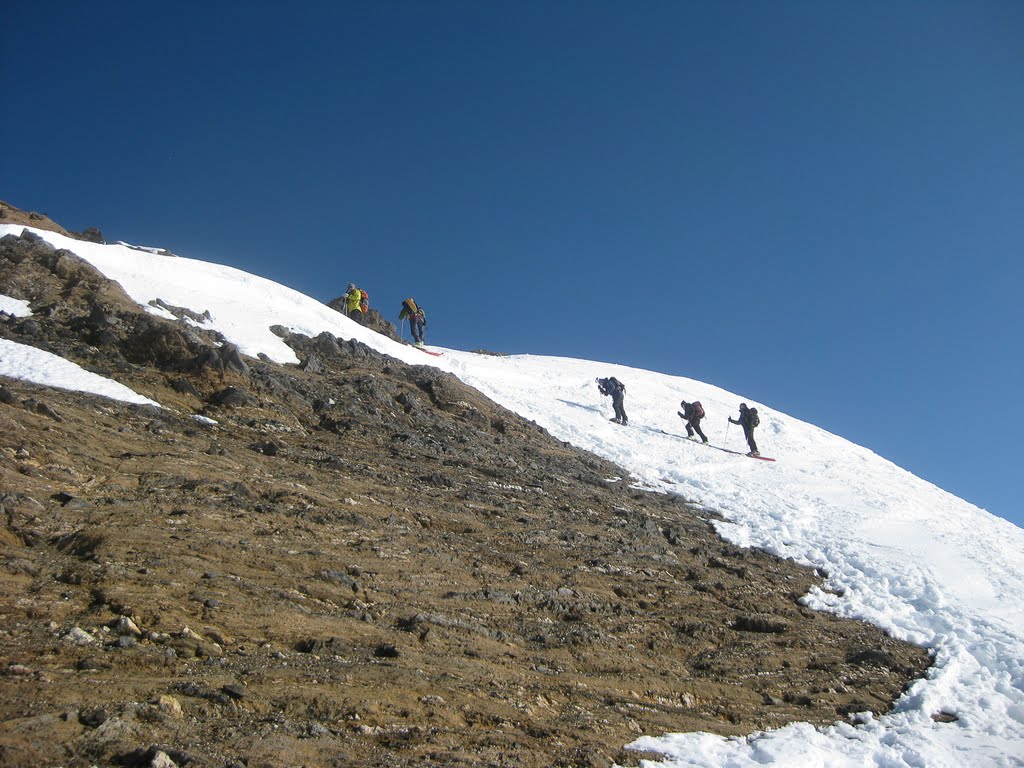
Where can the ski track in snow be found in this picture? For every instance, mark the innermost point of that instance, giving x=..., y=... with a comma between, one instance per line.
x=897, y=551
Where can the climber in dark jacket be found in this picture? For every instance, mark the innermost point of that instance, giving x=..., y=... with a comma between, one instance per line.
x=417, y=320
x=748, y=420
x=615, y=388
x=692, y=413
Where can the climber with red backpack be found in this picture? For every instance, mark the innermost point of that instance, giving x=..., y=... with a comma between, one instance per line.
x=357, y=302
x=692, y=413
x=748, y=420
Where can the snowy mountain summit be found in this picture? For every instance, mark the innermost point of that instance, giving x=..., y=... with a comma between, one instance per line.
x=894, y=550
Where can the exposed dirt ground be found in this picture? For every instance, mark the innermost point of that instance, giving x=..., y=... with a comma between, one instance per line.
x=361, y=563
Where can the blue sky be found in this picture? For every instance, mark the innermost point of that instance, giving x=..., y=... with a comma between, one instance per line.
x=818, y=205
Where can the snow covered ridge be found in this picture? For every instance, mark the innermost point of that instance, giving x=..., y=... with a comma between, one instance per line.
x=898, y=551
x=146, y=248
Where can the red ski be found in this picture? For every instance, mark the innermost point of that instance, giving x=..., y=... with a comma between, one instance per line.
x=737, y=453
x=423, y=349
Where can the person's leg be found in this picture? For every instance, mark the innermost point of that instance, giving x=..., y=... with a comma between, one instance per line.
x=750, y=440
x=689, y=429
x=696, y=426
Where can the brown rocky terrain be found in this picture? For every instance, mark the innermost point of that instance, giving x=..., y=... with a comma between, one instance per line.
x=357, y=562
x=12, y=215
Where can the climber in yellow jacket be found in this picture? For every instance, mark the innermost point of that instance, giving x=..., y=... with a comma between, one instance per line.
x=356, y=302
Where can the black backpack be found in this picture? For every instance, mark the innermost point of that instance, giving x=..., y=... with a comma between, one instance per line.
x=610, y=386
x=754, y=420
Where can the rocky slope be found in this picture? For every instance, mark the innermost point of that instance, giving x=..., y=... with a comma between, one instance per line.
x=356, y=562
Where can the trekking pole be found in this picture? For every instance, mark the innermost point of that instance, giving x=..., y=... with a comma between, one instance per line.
x=726, y=443
x=402, y=332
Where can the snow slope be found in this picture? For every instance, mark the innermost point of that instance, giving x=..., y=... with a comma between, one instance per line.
x=898, y=551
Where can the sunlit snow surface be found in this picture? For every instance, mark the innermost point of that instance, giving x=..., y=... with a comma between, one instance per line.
x=15, y=307
x=898, y=551
x=19, y=361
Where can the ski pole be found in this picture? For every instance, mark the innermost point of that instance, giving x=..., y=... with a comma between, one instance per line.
x=726, y=443
x=402, y=332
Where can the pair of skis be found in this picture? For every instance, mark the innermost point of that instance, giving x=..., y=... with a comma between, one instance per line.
x=737, y=453
x=716, y=447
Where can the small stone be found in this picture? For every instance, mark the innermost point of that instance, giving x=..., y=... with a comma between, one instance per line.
x=78, y=636
x=125, y=626
x=218, y=637
x=234, y=690
x=93, y=718
x=169, y=706
x=162, y=760
x=210, y=650
x=318, y=729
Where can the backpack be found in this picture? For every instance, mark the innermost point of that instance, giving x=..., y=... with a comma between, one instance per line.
x=410, y=305
x=615, y=385
x=754, y=420
x=698, y=409
x=364, y=302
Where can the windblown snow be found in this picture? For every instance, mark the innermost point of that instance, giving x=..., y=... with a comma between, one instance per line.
x=898, y=551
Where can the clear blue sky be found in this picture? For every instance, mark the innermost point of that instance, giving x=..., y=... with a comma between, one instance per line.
x=818, y=205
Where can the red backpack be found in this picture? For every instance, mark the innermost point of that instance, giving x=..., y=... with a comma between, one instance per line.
x=698, y=409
